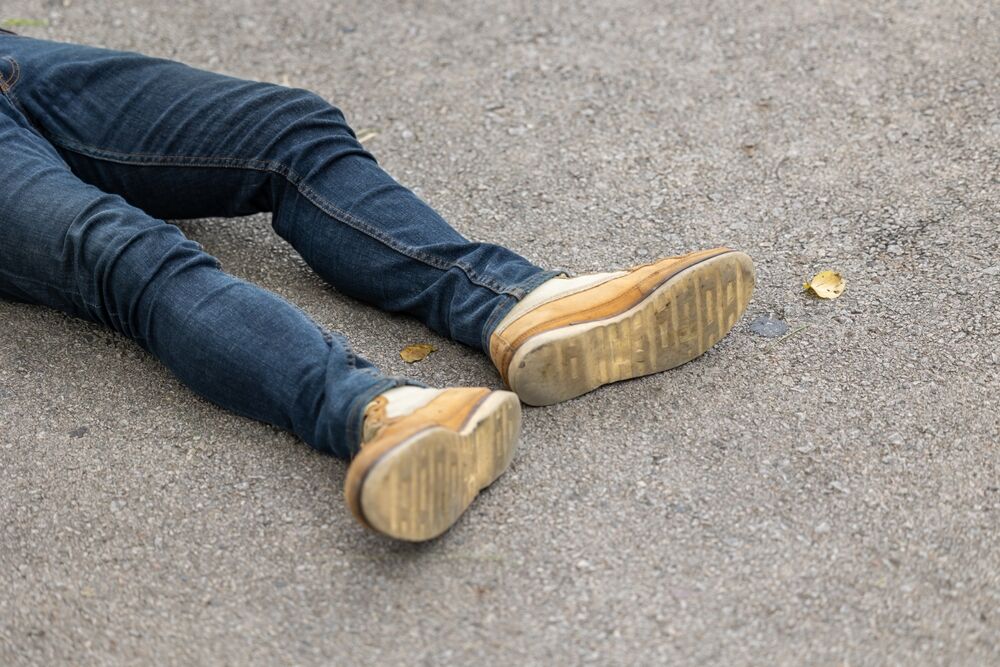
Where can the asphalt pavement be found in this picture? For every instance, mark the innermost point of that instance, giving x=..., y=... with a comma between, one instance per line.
x=830, y=496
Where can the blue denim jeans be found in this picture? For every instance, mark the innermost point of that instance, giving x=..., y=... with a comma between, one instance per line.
x=99, y=147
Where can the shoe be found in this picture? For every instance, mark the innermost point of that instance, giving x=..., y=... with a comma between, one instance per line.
x=572, y=335
x=426, y=454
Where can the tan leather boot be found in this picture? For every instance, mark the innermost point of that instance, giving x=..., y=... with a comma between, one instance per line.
x=572, y=335
x=421, y=465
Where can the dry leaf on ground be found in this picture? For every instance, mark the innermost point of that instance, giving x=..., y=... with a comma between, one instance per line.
x=826, y=284
x=412, y=353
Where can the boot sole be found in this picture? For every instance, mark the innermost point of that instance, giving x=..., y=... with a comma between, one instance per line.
x=681, y=319
x=419, y=488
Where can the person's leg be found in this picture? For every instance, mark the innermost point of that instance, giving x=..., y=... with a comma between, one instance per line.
x=424, y=454
x=70, y=246
x=180, y=142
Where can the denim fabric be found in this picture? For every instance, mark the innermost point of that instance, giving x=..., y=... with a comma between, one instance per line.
x=99, y=147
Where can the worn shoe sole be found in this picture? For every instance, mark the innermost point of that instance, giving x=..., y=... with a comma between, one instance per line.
x=679, y=320
x=415, y=490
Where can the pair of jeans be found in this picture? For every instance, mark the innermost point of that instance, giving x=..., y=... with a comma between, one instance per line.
x=98, y=148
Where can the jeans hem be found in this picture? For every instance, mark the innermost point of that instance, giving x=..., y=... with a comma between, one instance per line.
x=510, y=299
x=356, y=410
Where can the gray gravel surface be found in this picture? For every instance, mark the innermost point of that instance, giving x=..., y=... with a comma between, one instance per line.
x=828, y=497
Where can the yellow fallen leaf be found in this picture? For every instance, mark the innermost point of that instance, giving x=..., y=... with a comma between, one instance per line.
x=412, y=353
x=826, y=284
x=366, y=134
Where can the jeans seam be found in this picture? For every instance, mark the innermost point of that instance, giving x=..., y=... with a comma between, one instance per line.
x=349, y=354
x=7, y=89
x=296, y=180
x=356, y=223
x=15, y=74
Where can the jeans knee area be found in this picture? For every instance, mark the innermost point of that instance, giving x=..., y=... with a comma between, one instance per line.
x=304, y=133
x=120, y=267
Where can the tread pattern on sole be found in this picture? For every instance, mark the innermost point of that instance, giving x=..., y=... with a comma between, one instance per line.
x=678, y=322
x=421, y=487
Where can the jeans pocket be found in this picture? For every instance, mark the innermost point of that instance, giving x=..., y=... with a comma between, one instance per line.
x=10, y=72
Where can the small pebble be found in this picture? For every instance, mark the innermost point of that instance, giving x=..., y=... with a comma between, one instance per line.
x=768, y=327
